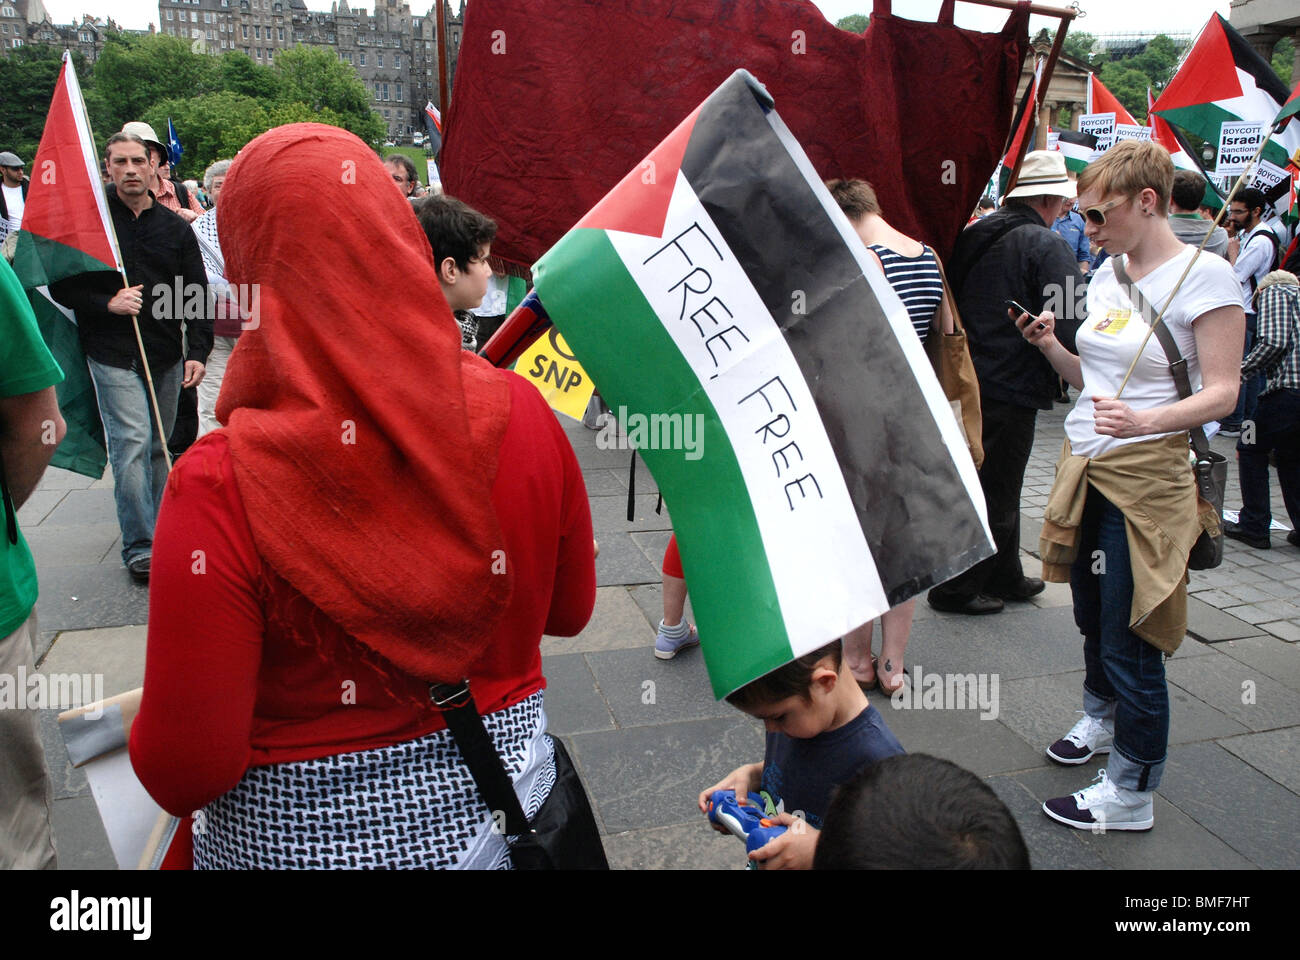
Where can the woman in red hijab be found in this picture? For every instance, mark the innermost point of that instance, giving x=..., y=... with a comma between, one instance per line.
x=330, y=553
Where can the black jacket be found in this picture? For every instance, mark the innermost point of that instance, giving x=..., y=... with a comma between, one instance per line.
x=160, y=251
x=1027, y=263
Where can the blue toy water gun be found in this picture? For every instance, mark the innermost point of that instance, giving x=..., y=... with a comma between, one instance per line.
x=744, y=820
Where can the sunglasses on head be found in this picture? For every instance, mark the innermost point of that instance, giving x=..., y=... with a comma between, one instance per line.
x=1097, y=215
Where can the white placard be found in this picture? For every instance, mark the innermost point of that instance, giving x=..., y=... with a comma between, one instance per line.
x=1101, y=126
x=1239, y=141
x=1131, y=131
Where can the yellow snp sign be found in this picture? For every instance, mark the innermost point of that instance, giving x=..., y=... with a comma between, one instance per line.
x=552, y=368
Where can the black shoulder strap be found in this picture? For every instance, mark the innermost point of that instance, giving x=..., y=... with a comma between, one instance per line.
x=1277, y=250
x=466, y=728
x=1177, y=363
x=957, y=278
x=11, y=513
x=182, y=194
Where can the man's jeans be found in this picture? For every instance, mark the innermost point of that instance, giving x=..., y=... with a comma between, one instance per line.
x=139, y=467
x=1277, y=428
x=1248, y=394
x=1124, y=676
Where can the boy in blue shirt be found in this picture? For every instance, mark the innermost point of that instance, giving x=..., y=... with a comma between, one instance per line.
x=820, y=732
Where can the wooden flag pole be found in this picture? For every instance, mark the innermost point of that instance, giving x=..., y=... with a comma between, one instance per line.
x=1066, y=15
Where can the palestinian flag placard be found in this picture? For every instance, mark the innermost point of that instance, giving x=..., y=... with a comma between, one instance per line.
x=1077, y=148
x=1223, y=79
x=67, y=230
x=727, y=311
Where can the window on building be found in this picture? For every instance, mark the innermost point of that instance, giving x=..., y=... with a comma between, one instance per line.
x=18, y=43
x=397, y=60
x=363, y=58
x=386, y=114
x=169, y=14
x=270, y=54
x=9, y=12
x=207, y=17
x=259, y=53
x=379, y=59
x=399, y=92
x=279, y=34
x=376, y=91
x=211, y=35
x=385, y=91
x=257, y=32
x=245, y=29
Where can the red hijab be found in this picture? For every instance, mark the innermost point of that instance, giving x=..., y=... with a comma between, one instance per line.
x=364, y=439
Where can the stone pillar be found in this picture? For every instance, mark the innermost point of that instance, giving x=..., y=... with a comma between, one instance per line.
x=1264, y=43
x=1046, y=115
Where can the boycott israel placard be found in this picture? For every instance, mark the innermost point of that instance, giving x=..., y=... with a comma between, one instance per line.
x=1101, y=126
x=1239, y=141
x=1131, y=131
x=1267, y=176
x=720, y=282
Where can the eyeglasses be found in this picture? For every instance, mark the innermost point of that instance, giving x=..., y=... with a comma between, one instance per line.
x=1097, y=215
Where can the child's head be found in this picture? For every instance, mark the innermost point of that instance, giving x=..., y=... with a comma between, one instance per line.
x=798, y=699
x=916, y=812
x=461, y=239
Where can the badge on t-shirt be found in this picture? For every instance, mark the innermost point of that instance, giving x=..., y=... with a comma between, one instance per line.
x=1114, y=321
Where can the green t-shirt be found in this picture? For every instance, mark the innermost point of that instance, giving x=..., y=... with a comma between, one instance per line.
x=26, y=366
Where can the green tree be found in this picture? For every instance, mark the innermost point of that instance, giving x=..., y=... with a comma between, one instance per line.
x=237, y=73
x=1078, y=45
x=854, y=22
x=1284, y=60
x=210, y=127
x=133, y=74
x=1158, y=61
x=28, y=77
x=1128, y=84
x=320, y=80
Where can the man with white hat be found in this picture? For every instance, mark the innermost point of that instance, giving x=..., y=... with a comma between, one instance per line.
x=1011, y=255
x=13, y=193
x=177, y=199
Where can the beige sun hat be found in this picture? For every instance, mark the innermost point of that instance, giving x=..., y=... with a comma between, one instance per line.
x=1043, y=174
x=145, y=132
x=1277, y=276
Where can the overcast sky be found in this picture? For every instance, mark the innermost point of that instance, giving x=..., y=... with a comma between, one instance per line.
x=1103, y=16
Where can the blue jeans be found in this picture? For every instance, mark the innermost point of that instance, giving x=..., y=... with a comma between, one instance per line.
x=1277, y=428
x=1248, y=394
x=1124, y=678
x=134, y=448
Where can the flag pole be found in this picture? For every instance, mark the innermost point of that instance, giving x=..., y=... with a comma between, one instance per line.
x=1160, y=317
x=135, y=321
x=1066, y=15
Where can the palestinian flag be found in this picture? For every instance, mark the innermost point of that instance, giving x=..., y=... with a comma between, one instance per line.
x=1077, y=148
x=1223, y=78
x=67, y=230
x=1023, y=127
x=729, y=314
x=433, y=124
x=1290, y=108
x=1101, y=100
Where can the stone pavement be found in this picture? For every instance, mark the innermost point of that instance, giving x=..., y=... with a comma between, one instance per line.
x=647, y=735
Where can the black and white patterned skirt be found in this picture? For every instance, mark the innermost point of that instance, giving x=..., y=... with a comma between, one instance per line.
x=411, y=805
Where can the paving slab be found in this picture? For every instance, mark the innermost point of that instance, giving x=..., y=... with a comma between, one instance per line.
x=649, y=597
x=85, y=596
x=115, y=654
x=79, y=838
x=654, y=775
x=604, y=483
x=985, y=747
x=1051, y=846
x=642, y=689
x=616, y=623
x=37, y=507
x=54, y=546
x=682, y=846
x=622, y=562
x=65, y=779
x=82, y=507
x=654, y=543
x=1288, y=630
x=1224, y=683
x=56, y=478
x=1023, y=641
x=1275, y=753
x=1176, y=842
x=1250, y=812
x=1212, y=625
x=1270, y=655
x=573, y=704
x=610, y=513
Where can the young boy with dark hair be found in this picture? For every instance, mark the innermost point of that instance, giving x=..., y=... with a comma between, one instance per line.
x=820, y=732
x=918, y=812
x=461, y=239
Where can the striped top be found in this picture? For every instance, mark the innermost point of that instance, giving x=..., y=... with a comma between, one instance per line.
x=917, y=282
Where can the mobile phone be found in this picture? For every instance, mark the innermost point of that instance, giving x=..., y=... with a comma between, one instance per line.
x=1023, y=309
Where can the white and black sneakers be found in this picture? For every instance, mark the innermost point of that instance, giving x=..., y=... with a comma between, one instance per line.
x=1102, y=807
x=1086, y=739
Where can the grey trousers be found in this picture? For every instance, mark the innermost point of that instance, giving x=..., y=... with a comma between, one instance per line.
x=26, y=842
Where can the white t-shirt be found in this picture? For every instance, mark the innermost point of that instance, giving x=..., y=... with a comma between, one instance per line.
x=1109, y=338
x=14, y=204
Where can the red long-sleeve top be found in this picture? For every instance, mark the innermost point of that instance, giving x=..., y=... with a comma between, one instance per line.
x=242, y=670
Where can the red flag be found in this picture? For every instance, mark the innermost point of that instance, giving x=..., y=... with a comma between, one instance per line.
x=1101, y=100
